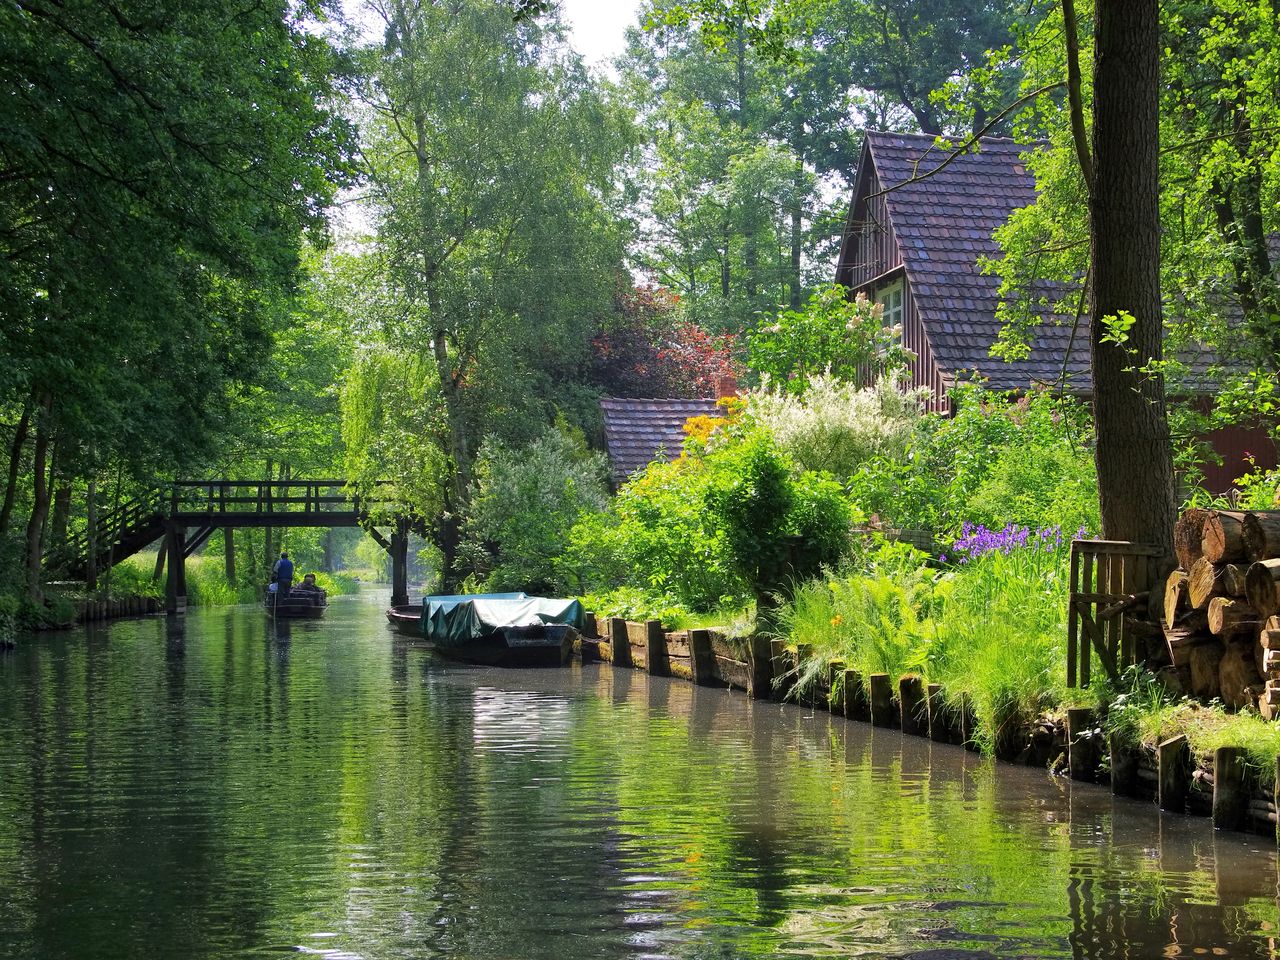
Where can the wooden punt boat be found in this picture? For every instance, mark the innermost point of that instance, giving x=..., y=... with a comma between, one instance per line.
x=296, y=605
x=406, y=619
x=508, y=629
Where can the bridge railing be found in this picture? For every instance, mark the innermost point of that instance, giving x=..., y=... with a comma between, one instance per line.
x=213, y=497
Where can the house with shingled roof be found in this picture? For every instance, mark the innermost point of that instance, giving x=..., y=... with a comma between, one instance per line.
x=920, y=223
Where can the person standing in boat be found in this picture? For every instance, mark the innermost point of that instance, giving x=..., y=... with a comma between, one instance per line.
x=283, y=570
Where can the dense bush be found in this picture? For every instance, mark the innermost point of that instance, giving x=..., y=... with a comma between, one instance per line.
x=524, y=505
x=999, y=459
x=658, y=536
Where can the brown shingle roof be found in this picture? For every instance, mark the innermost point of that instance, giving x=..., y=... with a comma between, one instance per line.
x=944, y=225
x=639, y=431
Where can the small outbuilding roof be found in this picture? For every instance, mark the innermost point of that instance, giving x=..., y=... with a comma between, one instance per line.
x=638, y=432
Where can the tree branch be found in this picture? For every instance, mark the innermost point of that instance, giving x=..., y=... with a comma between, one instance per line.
x=1079, y=136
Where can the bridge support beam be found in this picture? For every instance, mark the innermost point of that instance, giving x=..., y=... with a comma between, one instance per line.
x=176, y=585
x=400, y=564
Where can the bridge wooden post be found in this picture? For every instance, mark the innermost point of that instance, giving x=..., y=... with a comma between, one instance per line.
x=400, y=563
x=176, y=584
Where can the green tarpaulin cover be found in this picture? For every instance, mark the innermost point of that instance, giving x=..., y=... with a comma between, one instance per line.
x=458, y=620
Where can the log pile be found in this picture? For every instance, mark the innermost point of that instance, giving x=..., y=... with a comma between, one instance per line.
x=1221, y=609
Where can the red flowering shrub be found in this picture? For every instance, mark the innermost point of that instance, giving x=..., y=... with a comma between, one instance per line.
x=646, y=350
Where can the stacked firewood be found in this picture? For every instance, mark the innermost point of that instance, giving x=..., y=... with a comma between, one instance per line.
x=1221, y=615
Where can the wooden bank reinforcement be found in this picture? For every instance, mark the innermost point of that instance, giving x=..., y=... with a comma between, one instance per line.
x=1223, y=786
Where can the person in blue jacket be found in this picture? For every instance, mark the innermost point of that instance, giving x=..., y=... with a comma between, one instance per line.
x=284, y=573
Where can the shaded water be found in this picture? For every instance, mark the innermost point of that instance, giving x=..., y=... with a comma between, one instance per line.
x=211, y=789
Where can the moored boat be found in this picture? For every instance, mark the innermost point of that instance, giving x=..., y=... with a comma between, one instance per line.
x=406, y=619
x=501, y=629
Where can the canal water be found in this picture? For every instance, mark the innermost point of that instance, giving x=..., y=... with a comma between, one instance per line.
x=221, y=788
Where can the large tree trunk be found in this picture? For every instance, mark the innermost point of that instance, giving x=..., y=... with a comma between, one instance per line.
x=40, y=498
x=15, y=465
x=1135, y=467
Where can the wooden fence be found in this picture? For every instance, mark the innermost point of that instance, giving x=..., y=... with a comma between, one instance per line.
x=1110, y=584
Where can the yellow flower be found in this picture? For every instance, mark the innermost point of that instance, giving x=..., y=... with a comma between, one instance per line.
x=837, y=620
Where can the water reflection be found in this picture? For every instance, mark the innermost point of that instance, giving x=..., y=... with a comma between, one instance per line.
x=224, y=785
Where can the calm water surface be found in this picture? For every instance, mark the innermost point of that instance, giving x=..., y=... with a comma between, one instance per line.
x=216, y=789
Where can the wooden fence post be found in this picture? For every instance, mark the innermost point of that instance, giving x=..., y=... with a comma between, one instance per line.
x=619, y=642
x=1082, y=748
x=1173, y=766
x=911, y=706
x=1230, y=799
x=882, y=714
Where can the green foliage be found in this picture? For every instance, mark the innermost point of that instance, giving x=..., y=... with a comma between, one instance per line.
x=832, y=334
x=524, y=504
x=634, y=604
x=992, y=628
x=778, y=524
x=1145, y=713
x=660, y=538
x=998, y=459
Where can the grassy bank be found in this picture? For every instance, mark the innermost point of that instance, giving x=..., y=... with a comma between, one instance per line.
x=207, y=584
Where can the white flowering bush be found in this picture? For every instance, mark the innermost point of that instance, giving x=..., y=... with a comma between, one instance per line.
x=836, y=426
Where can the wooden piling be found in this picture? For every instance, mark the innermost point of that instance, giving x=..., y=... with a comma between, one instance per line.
x=1124, y=768
x=1082, y=746
x=911, y=706
x=655, y=649
x=882, y=712
x=1230, y=797
x=968, y=724
x=619, y=642
x=939, y=719
x=701, y=657
x=761, y=661
x=856, y=706
x=1173, y=767
x=783, y=680
x=835, y=686
x=1275, y=797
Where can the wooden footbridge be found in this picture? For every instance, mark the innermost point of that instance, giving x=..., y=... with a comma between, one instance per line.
x=185, y=514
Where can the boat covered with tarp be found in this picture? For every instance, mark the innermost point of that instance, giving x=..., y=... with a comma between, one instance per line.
x=502, y=628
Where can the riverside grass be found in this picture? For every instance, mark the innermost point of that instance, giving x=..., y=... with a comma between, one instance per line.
x=991, y=625
x=207, y=584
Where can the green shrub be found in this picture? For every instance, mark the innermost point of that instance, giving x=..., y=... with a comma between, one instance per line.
x=1001, y=458
x=524, y=504
x=779, y=525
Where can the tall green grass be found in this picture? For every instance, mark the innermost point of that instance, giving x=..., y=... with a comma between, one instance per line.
x=207, y=584
x=992, y=629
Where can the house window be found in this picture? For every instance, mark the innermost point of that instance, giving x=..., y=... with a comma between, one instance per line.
x=890, y=298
